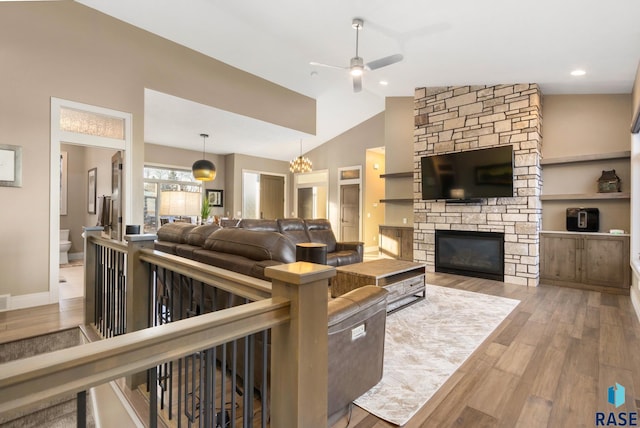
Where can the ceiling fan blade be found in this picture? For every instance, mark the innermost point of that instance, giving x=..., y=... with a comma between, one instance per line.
x=383, y=62
x=357, y=83
x=319, y=64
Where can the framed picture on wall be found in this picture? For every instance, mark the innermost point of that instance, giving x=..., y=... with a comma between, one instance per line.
x=91, y=190
x=10, y=165
x=215, y=198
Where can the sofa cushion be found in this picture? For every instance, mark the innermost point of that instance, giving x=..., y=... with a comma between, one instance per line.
x=252, y=244
x=320, y=231
x=294, y=229
x=166, y=246
x=341, y=258
x=229, y=222
x=258, y=224
x=186, y=250
x=175, y=232
x=199, y=234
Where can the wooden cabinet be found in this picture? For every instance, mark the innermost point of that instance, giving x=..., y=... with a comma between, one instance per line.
x=595, y=261
x=396, y=241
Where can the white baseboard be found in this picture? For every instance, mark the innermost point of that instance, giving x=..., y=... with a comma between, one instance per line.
x=371, y=249
x=29, y=300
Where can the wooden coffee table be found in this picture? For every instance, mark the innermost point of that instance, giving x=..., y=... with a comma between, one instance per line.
x=401, y=278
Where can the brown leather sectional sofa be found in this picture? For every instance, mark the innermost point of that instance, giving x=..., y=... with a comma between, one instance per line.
x=253, y=245
x=355, y=360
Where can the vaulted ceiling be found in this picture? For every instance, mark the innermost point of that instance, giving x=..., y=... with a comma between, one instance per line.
x=455, y=42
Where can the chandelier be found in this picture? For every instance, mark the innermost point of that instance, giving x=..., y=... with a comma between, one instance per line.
x=203, y=169
x=300, y=164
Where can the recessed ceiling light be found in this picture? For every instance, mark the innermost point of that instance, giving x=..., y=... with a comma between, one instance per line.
x=384, y=82
x=578, y=72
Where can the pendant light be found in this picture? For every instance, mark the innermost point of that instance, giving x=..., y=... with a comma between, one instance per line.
x=203, y=169
x=300, y=164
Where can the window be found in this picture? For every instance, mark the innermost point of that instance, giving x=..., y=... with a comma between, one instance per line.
x=159, y=181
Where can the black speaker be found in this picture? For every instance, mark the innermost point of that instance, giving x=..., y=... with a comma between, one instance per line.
x=583, y=219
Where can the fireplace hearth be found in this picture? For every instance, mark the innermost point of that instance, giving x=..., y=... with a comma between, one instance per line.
x=470, y=253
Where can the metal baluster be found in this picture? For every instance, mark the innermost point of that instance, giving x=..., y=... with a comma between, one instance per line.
x=81, y=409
x=264, y=397
x=153, y=397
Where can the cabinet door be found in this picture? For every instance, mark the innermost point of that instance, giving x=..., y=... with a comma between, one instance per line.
x=559, y=258
x=406, y=245
x=606, y=261
x=389, y=241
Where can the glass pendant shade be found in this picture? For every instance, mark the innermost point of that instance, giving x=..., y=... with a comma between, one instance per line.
x=203, y=170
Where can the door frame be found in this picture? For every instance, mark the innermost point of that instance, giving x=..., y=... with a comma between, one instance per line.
x=323, y=180
x=346, y=182
x=58, y=137
x=255, y=171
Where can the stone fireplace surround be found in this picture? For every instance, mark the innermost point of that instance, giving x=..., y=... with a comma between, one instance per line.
x=458, y=118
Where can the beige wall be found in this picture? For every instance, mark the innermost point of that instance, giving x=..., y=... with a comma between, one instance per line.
x=578, y=125
x=347, y=149
x=373, y=209
x=585, y=124
x=239, y=163
x=69, y=51
x=398, y=137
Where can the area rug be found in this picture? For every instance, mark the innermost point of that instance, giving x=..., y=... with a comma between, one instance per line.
x=425, y=343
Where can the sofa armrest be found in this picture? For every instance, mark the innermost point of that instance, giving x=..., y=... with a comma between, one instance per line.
x=356, y=305
x=356, y=246
x=356, y=345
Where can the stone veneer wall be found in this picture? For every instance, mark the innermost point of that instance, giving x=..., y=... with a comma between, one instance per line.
x=459, y=118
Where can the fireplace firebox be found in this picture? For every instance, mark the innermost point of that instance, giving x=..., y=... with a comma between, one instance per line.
x=470, y=253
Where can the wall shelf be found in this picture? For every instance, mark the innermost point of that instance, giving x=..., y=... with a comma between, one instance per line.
x=586, y=158
x=586, y=196
x=397, y=201
x=408, y=174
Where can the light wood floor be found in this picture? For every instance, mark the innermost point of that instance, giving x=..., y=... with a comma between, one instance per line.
x=548, y=364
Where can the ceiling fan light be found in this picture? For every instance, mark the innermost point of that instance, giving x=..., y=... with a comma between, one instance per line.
x=357, y=70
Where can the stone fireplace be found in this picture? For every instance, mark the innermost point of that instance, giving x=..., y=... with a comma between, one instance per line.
x=463, y=252
x=453, y=119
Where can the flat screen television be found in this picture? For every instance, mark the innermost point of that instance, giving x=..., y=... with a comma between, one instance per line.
x=468, y=175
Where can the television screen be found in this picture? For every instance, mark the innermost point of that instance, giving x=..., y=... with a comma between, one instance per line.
x=472, y=174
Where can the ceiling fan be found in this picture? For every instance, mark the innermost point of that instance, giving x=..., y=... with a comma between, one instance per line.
x=357, y=65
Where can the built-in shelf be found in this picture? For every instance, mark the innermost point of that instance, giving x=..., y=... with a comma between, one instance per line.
x=586, y=158
x=408, y=174
x=586, y=196
x=397, y=201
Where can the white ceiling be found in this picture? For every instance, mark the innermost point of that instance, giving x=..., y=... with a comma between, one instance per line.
x=454, y=42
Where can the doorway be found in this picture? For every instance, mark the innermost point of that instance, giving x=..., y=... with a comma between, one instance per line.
x=70, y=124
x=349, y=184
x=263, y=195
x=310, y=194
x=349, y=212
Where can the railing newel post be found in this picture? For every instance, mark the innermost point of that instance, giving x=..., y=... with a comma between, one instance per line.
x=299, y=360
x=90, y=261
x=137, y=292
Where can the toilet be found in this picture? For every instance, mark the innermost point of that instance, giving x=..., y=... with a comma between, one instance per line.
x=65, y=246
